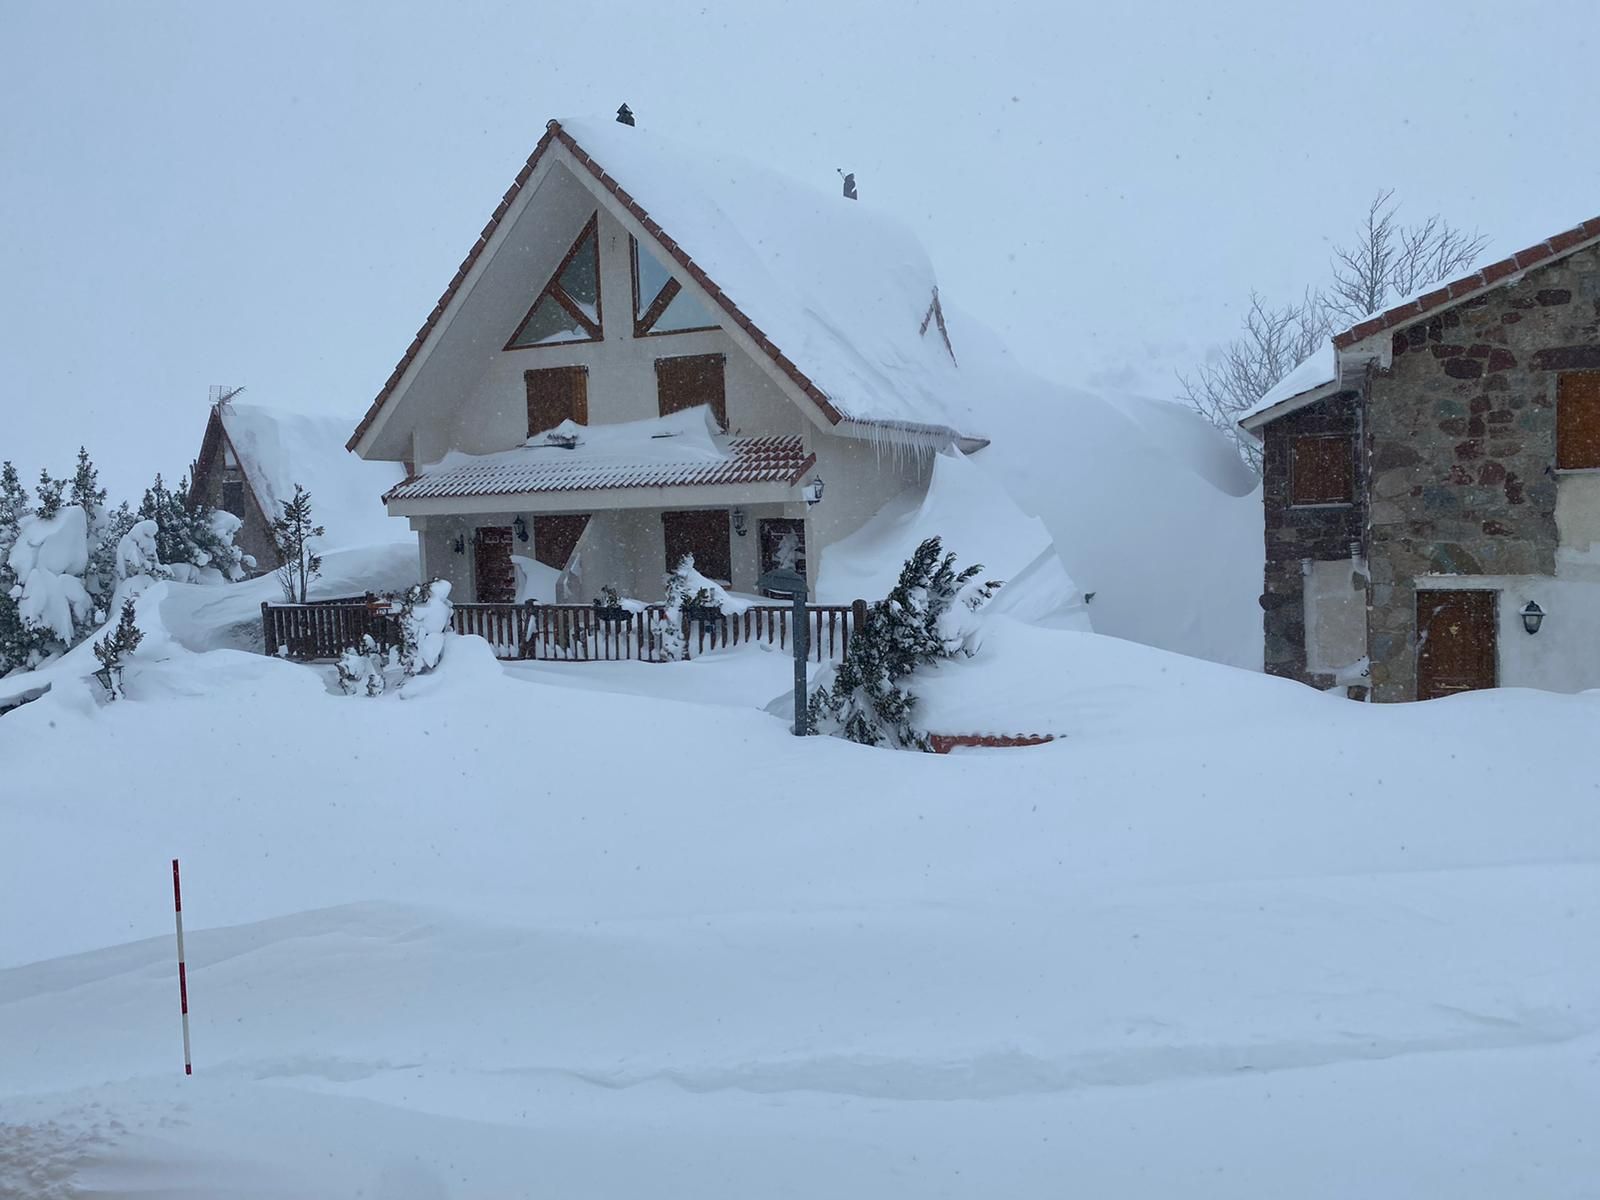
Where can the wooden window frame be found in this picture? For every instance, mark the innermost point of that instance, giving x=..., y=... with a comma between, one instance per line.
x=554, y=290
x=1565, y=451
x=644, y=323
x=239, y=486
x=580, y=413
x=1345, y=440
x=719, y=407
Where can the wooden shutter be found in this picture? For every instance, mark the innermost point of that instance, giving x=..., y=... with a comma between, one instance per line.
x=1322, y=469
x=556, y=394
x=1456, y=649
x=556, y=537
x=1578, y=420
x=704, y=534
x=494, y=574
x=692, y=379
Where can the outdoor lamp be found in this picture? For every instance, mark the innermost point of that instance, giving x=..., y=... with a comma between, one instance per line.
x=741, y=522
x=813, y=491
x=460, y=546
x=1532, y=616
x=521, y=526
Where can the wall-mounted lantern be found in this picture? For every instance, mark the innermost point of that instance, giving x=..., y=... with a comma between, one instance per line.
x=813, y=491
x=460, y=544
x=1532, y=616
x=741, y=522
x=521, y=527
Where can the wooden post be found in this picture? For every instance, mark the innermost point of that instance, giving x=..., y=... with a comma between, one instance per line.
x=800, y=639
x=266, y=630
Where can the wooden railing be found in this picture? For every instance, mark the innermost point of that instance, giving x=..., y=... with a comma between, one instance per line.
x=324, y=629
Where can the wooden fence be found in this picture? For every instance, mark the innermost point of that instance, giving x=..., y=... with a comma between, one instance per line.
x=324, y=629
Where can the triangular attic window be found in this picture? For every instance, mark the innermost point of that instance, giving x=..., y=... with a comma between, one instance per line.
x=660, y=303
x=568, y=310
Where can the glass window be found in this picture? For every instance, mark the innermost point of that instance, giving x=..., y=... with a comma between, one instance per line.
x=660, y=302
x=568, y=310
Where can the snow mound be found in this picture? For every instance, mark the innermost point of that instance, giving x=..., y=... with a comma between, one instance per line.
x=977, y=521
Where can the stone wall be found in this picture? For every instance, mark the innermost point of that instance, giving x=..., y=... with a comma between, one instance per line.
x=1320, y=532
x=1461, y=445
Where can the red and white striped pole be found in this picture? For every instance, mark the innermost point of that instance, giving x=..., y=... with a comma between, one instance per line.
x=183, y=978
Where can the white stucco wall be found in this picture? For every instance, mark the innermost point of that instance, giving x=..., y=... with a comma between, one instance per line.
x=1335, y=614
x=1564, y=656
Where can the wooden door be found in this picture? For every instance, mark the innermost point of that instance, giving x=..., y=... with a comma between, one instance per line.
x=556, y=394
x=1456, y=642
x=556, y=537
x=493, y=572
x=703, y=534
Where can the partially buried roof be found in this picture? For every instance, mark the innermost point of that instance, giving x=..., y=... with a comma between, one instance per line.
x=278, y=449
x=675, y=451
x=840, y=294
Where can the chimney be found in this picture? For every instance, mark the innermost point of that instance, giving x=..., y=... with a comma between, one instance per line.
x=849, y=185
x=624, y=115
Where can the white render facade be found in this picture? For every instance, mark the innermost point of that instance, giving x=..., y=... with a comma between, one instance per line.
x=464, y=390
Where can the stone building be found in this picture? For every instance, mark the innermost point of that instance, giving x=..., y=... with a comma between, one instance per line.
x=1432, y=489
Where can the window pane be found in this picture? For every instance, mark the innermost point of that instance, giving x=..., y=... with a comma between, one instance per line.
x=1321, y=470
x=549, y=323
x=685, y=312
x=652, y=277
x=581, y=279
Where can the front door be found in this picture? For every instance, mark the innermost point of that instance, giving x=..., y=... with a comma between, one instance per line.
x=703, y=534
x=1456, y=642
x=493, y=572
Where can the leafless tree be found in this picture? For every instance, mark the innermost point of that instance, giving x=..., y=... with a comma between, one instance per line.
x=1273, y=342
x=1390, y=260
x=1387, y=261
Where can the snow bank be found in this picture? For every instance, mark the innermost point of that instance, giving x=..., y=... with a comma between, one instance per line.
x=978, y=521
x=1143, y=506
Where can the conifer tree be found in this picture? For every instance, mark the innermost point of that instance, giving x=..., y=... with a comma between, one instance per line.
x=866, y=701
x=50, y=494
x=293, y=533
x=113, y=649
x=86, y=491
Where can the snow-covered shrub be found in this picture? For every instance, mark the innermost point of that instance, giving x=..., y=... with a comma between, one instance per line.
x=686, y=588
x=361, y=670
x=424, y=619
x=198, y=538
x=923, y=619
x=47, y=562
x=113, y=650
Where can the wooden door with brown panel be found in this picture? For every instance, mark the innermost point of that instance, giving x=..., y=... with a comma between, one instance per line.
x=555, y=537
x=1456, y=649
x=493, y=571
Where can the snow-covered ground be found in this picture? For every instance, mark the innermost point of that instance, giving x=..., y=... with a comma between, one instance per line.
x=608, y=929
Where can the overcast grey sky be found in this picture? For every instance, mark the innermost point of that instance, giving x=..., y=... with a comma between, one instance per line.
x=275, y=195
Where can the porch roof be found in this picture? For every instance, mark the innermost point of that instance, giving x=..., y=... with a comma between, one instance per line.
x=534, y=470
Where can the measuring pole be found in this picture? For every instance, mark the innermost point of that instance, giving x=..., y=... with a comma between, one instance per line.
x=183, y=978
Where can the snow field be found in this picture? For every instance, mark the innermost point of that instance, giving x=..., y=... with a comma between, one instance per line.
x=509, y=936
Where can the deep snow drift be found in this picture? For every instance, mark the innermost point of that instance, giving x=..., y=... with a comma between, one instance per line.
x=557, y=931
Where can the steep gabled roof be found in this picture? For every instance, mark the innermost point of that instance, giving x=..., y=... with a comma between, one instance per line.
x=1450, y=294
x=1320, y=374
x=277, y=449
x=840, y=297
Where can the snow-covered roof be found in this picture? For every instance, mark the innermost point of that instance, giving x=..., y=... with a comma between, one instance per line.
x=673, y=451
x=277, y=449
x=1319, y=369
x=839, y=294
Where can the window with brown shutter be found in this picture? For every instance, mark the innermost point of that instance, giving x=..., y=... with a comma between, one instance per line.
x=1578, y=420
x=556, y=394
x=1322, y=469
x=690, y=380
x=703, y=534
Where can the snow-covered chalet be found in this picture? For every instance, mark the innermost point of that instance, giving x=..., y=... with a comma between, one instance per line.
x=653, y=351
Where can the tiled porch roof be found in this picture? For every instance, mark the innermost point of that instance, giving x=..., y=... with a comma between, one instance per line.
x=541, y=469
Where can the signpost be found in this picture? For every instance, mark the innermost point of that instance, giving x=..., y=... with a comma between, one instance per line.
x=784, y=582
x=183, y=978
